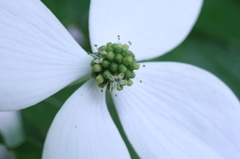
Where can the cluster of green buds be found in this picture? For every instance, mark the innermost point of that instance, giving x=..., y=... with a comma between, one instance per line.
x=113, y=66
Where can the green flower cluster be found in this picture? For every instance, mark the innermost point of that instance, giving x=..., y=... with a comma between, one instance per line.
x=114, y=66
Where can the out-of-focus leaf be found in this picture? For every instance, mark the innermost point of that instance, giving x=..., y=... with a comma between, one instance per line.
x=221, y=19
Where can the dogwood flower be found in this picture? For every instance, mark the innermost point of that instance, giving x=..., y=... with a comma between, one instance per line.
x=172, y=110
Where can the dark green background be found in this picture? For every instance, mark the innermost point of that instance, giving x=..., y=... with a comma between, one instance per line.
x=214, y=45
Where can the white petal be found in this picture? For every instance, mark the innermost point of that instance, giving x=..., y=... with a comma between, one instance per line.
x=5, y=153
x=180, y=112
x=11, y=128
x=84, y=129
x=38, y=56
x=154, y=27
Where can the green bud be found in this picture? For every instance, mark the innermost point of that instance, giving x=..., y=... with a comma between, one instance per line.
x=117, y=50
x=133, y=56
x=130, y=82
x=133, y=75
x=122, y=68
x=97, y=68
x=106, y=73
x=100, y=79
x=92, y=63
x=120, y=76
x=110, y=56
x=102, y=48
x=120, y=88
x=111, y=77
x=127, y=53
x=105, y=63
x=125, y=47
x=113, y=67
x=128, y=74
x=114, y=45
x=118, y=58
x=136, y=66
x=124, y=82
x=109, y=44
x=127, y=60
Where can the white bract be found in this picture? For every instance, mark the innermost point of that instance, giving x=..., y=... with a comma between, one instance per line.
x=178, y=111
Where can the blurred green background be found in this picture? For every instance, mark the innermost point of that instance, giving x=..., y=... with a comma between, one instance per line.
x=214, y=45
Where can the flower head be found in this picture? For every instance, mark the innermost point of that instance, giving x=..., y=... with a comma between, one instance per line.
x=172, y=110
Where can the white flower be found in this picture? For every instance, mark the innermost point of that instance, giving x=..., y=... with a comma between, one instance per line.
x=178, y=111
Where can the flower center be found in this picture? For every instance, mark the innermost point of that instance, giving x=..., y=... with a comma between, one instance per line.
x=113, y=66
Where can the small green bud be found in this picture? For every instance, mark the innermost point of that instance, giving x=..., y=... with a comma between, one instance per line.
x=122, y=68
x=120, y=88
x=127, y=53
x=105, y=63
x=133, y=75
x=109, y=44
x=114, y=45
x=136, y=66
x=124, y=82
x=97, y=68
x=106, y=73
x=111, y=77
x=133, y=56
x=127, y=60
x=128, y=74
x=120, y=76
x=110, y=56
x=117, y=50
x=92, y=63
x=102, y=48
x=113, y=67
x=118, y=58
x=100, y=79
x=130, y=82
x=125, y=47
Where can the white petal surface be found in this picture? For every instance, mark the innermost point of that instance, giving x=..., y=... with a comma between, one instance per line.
x=154, y=27
x=180, y=112
x=83, y=129
x=5, y=153
x=38, y=56
x=11, y=128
